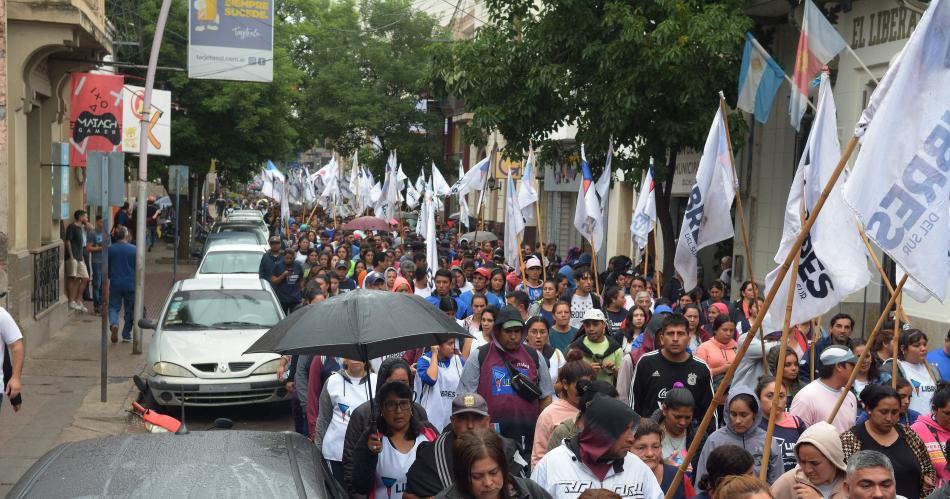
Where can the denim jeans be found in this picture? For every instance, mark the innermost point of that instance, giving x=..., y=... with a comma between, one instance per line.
x=97, y=284
x=118, y=299
x=150, y=235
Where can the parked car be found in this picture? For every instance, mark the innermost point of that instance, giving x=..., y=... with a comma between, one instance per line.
x=197, y=351
x=251, y=237
x=230, y=258
x=224, y=463
x=241, y=226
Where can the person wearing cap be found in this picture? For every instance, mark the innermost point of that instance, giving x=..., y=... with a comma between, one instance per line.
x=269, y=260
x=487, y=373
x=480, y=286
x=599, y=457
x=346, y=284
x=602, y=352
x=669, y=366
x=814, y=402
x=582, y=299
x=821, y=470
x=431, y=472
x=532, y=283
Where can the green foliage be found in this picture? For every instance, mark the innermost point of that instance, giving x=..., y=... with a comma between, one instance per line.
x=645, y=72
x=344, y=73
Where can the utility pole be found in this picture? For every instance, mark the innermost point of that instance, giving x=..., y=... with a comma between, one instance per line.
x=143, y=178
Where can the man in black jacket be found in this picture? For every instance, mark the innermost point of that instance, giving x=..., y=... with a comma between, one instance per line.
x=431, y=472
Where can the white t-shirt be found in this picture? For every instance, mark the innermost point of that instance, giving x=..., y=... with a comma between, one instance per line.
x=923, y=386
x=391, y=469
x=423, y=292
x=437, y=399
x=9, y=333
x=580, y=305
x=565, y=477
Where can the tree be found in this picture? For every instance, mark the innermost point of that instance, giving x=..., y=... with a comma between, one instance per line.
x=365, y=74
x=646, y=73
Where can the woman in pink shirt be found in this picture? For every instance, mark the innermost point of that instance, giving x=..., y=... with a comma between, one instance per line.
x=719, y=351
x=574, y=372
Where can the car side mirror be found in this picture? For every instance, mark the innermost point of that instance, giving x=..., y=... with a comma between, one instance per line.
x=147, y=324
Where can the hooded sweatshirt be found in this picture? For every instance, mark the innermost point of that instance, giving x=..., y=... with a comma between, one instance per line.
x=934, y=437
x=753, y=440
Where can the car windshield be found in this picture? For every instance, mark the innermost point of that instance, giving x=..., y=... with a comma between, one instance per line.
x=221, y=309
x=231, y=262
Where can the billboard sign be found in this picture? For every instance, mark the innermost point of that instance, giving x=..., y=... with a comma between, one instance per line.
x=160, y=121
x=231, y=40
x=95, y=115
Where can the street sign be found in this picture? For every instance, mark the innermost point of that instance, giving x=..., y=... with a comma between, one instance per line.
x=178, y=179
x=226, y=42
x=160, y=121
x=114, y=178
x=60, y=161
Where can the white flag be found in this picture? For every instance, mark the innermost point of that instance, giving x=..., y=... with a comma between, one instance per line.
x=439, y=185
x=284, y=206
x=899, y=186
x=514, y=225
x=432, y=253
x=527, y=193
x=412, y=196
x=463, y=202
x=708, y=217
x=833, y=259
x=475, y=178
x=588, y=217
x=644, y=216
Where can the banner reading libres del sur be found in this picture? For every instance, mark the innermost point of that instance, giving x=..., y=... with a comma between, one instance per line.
x=231, y=40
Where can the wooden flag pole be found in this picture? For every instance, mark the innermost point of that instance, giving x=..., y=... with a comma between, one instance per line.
x=646, y=254
x=593, y=259
x=880, y=268
x=740, y=211
x=895, y=341
x=779, y=370
x=782, y=272
x=815, y=334
x=537, y=214
x=656, y=260
x=867, y=351
x=521, y=258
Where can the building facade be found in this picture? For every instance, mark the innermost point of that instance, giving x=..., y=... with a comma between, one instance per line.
x=45, y=40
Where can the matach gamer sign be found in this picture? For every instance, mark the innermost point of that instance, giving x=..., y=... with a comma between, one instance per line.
x=95, y=115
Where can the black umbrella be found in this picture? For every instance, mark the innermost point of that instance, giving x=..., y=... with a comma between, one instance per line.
x=362, y=324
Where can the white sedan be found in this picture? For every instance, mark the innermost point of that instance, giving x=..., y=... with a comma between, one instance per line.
x=196, y=355
x=231, y=258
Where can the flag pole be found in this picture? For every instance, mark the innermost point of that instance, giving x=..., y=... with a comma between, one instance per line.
x=815, y=334
x=779, y=383
x=877, y=327
x=740, y=211
x=646, y=253
x=593, y=252
x=880, y=268
x=782, y=272
x=895, y=342
x=537, y=212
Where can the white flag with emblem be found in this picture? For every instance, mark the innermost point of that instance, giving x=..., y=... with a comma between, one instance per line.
x=833, y=259
x=708, y=217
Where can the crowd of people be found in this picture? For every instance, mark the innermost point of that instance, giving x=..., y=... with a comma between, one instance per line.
x=577, y=384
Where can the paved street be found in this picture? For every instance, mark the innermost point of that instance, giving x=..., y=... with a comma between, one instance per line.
x=61, y=389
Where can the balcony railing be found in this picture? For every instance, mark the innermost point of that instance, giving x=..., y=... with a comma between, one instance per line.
x=46, y=263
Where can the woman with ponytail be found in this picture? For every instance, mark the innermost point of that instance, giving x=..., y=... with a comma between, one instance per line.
x=566, y=406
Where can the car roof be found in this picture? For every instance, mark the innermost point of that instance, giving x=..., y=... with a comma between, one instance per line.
x=236, y=247
x=221, y=463
x=225, y=282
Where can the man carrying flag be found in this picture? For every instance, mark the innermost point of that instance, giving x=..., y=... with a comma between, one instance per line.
x=527, y=193
x=833, y=261
x=899, y=185
x=708, y=217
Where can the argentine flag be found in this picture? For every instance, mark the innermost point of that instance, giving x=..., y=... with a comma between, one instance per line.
x=759, y=80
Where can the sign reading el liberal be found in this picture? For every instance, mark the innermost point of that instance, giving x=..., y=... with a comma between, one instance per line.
x=231, y=40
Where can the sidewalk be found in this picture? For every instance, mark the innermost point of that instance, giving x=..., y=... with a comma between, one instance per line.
x=61, y=388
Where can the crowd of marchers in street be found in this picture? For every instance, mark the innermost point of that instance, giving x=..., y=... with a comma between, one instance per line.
x=578, y=384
